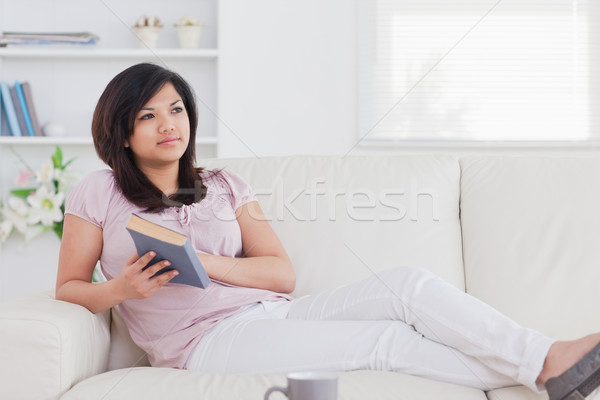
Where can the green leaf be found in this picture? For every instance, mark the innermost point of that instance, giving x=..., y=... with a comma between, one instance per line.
x=58, y=229
x=22, y=192
x=68, y=163
x=57, y=158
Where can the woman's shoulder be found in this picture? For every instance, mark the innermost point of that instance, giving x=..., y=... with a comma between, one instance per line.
x=229, y=184
x=101, y=175
x=219, y=179
x=220, y=176
x=100, y=182
x=91, y=197
x=103, y=179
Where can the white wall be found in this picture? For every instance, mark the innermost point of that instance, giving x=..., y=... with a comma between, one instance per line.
x=288, y=84
x=287, y=77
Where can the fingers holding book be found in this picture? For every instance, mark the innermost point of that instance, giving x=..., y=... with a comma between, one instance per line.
x=139, y=279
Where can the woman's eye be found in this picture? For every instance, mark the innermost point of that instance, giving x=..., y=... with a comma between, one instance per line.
x=146, y=116
x=177, y=110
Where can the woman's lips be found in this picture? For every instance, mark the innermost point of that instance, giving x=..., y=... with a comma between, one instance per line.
x=169, y=140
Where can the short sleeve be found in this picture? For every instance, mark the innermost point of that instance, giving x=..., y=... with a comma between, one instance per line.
x=90, y=197
x=240, y=190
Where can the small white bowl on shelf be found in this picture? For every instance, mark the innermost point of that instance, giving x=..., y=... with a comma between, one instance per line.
x=147, y=29
x=54, y=129
x=189, y=32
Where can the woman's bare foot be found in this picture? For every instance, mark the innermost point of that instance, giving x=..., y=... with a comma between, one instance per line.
x=563, y=355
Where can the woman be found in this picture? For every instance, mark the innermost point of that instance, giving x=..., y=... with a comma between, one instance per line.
x=406, y=320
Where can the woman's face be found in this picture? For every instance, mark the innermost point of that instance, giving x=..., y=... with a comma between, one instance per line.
x=161, y=131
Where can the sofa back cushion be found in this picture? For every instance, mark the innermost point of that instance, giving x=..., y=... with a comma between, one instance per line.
x=124, y=353
x=531, y=229
x=342, y=219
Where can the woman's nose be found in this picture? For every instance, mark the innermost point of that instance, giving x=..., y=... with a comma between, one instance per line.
x=166, y=126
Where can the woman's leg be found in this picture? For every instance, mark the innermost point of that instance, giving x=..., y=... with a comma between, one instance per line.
x=259, y=342
x=441, y=313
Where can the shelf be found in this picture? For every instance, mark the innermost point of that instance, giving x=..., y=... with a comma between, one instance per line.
x=44, y=140
x=47, y=140
x=83, y=53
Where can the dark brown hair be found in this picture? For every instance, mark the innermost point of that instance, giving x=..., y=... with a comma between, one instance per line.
x=112, y=126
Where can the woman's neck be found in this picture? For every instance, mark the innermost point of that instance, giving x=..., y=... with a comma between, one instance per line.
x=165, y=179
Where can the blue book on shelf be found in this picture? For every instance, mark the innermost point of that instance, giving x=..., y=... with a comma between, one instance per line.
x=24, y=109
x=18, y=110
x=3, y=132
x=9, y=108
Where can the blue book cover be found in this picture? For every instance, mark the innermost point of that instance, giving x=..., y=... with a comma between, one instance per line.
x=2, y=131
x=18, y=110
x=31, y=108
x=168, y=245
x=9, y=109
x=24, y=109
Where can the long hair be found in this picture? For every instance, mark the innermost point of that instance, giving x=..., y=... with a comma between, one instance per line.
x=112, y=126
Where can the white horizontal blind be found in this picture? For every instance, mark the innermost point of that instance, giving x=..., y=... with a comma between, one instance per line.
x=515, y=70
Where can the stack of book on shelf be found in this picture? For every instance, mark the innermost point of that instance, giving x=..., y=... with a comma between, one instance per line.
x=48, y=38
x=17, y=109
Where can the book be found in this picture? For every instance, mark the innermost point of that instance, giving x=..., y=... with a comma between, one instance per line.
x=168, y=245
x=48, y=38
x=37, y=130
x=4, y=131
x=18, y=110
x=9, y=109
x=24, y=109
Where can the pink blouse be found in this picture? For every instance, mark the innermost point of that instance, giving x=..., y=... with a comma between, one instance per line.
x=168, y=324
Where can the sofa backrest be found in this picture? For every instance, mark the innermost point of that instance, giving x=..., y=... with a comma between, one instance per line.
x=531, y=229
x=342, y=219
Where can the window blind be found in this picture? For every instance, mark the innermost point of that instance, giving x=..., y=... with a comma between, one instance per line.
x=520, y=70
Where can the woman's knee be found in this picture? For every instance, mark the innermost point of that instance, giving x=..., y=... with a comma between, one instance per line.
x=407, y=273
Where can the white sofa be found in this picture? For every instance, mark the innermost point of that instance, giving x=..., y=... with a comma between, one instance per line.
x=520, y=233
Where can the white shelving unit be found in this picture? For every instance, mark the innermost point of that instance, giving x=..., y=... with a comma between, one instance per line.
x=66, y=83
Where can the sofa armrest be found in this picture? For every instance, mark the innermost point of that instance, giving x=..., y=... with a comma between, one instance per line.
x=47, y=346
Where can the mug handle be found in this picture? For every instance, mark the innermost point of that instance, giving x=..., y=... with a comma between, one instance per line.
x=283, y=390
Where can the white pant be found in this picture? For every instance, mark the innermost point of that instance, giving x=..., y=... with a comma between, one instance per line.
x=405, y=320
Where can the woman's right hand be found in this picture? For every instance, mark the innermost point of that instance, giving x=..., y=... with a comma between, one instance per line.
x=135, y=282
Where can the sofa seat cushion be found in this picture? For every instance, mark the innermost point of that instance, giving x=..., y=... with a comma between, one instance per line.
x=164, y=383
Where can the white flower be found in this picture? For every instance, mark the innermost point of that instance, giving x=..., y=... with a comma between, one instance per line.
x=65, y=178
x=45, y=206
x=16, y=211
x=31, y=211
x=18, y=206
x=16, y=214
x=46, y=174
x=6, y=228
